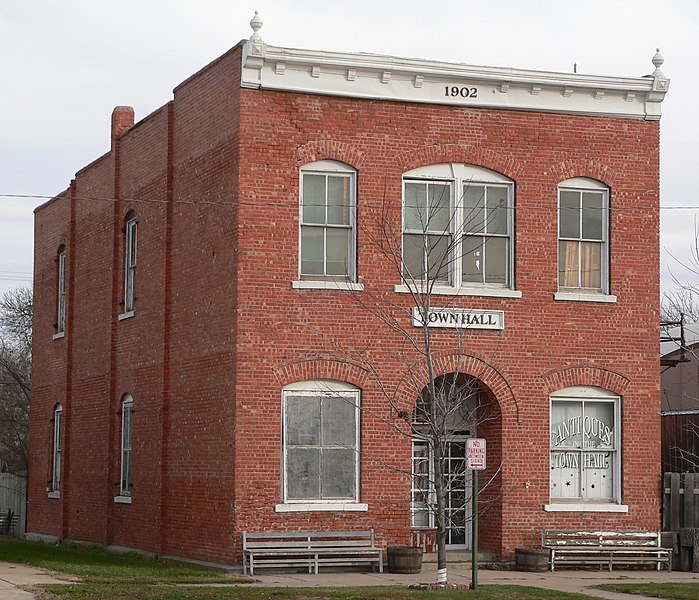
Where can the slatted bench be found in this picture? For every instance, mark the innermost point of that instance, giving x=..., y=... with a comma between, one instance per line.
x=310, y=549
x=605, y=548
x=8, y=521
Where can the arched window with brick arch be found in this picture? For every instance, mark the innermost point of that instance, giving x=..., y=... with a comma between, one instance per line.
x=320, y=432
x=458, y=229
x=583, y=236
x=130, y=247
x=585, y=473
x=61, y=284
x=327, y=236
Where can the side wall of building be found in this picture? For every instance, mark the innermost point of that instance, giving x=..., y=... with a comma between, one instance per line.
x=174, y=173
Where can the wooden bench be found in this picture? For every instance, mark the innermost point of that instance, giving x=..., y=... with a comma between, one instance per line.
x=8, y=521
x=310, y=549
x=605, y=548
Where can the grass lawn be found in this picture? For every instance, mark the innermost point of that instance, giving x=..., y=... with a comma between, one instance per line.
x=96, y=564
x=106, y=576
x=672, y=591
x=89, y=591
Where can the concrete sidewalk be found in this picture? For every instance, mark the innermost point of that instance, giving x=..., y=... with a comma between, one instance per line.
x=460, y=573
x=16, y=579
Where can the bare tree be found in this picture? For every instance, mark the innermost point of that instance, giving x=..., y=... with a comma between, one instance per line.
x=422, y=248
x=15, y=378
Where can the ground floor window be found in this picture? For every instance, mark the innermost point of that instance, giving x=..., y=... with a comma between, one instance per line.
x=585, y=441
x=321, y=442
x=54, y=483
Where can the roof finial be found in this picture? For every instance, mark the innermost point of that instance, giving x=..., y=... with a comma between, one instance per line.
x=658, y=60
x=256, y=25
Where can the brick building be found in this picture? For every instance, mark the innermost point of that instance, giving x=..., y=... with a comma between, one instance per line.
x=225, y=305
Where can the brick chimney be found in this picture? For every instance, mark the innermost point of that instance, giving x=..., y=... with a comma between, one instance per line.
x=122, y=121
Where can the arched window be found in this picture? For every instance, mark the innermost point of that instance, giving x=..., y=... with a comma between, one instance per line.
x=126, y=436
x=54, y=483
x=327, y=248
x=130, y=245
x=61, y=265
x=458, y=227
x=585, y=449
x=320, y=444
x=583, y=236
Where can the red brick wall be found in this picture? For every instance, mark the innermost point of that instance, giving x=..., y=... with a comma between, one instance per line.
x=218, y=329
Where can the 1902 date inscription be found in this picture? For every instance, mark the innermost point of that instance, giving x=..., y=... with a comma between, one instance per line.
x=456, y=91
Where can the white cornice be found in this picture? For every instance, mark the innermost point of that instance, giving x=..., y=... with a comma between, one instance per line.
x=374, y=76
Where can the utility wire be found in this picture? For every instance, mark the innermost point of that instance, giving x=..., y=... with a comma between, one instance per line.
x=360, y=205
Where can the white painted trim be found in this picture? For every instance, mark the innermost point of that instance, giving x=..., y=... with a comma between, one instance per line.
x=446, y=290
x=347, y=286
x=584, y=297
x=122, y=499
x=322, y=507
x=613, y=508
x=373, y=76
x=126, y=315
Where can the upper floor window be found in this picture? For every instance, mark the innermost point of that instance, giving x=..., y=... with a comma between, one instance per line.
x=585, y=446
x=328, y=222
x=126, y=436
x=458, y=227
x=320, y=443
x=54, y=483
x=61, y=263
x=130, y=237
x=583, y=236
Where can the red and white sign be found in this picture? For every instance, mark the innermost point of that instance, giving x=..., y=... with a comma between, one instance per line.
x=475, y=454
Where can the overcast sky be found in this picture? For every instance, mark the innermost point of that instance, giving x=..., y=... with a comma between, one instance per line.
x=66, y=64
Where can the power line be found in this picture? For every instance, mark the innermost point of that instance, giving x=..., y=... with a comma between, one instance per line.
x=256, y=202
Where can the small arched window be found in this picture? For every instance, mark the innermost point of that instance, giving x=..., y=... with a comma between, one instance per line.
x=126, y=436
x=327, y=248
x=583, y=236
x=54, y=484
x=130, y=241
x=61, y=266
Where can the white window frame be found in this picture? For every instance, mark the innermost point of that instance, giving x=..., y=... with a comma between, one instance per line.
x=459, y=176
x=54, y=488
x=130, y=251
x=330, y=168
x=125, y=479
x=323, y=388
x=578, y=292
x=583, y=394
x=61, y=293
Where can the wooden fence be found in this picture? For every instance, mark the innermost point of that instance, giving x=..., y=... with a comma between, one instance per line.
x=680, y=501
x=13, y=494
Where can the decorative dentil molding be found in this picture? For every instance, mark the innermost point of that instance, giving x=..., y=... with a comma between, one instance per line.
x=373, y=76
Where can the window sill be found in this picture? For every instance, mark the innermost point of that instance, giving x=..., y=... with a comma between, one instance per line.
x=322, y=507
x=584, y=297
x=59, y=335
x=126, y=315
x=446, y=290
x=122, y=499
x=584, y=507
x=327, y=285
x=53, y=495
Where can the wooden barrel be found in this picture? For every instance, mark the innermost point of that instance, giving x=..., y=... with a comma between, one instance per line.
x=404, y=559
x=532, y=559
